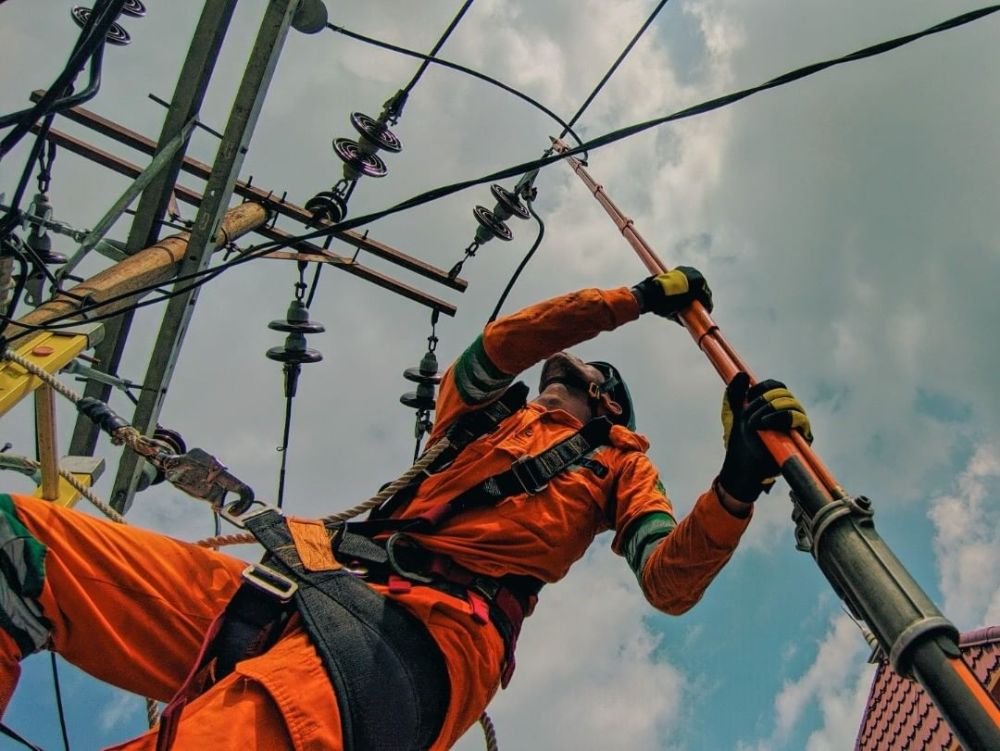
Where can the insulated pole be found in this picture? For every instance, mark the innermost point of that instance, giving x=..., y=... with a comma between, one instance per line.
x=839, y=531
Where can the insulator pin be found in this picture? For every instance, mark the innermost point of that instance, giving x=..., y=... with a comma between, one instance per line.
x=490, y=226
x=374, y=134
x=426, y=377
x=508, y=204
x=327, y=205
x=116, y=33
x=357, y=162
x=297, y=324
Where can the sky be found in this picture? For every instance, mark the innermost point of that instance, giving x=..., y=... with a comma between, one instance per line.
x=846, y=223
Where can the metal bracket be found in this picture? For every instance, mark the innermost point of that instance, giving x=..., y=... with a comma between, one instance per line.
x=809, y=530
x=201, y=475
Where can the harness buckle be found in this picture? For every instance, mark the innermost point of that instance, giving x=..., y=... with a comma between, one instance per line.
x=525, y=476
x=237, y=513
x=390, y=549
x=270, y=581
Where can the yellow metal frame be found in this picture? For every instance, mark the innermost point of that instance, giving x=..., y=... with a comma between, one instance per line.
x=49, y=350
x=67, y=495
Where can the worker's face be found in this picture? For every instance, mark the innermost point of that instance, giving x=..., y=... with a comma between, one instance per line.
x=564, y=364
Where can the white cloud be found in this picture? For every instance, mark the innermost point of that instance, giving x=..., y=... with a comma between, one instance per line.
x=835, y=685
x=590, y=674
x=117, y=712
x=967, y=542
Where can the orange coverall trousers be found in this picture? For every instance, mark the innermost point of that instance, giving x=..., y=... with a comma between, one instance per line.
x=131, y=607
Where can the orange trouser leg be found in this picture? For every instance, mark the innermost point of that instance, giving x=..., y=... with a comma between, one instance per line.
x=126, y=605
x=236, y=714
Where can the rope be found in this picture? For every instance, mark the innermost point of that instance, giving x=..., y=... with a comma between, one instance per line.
x=394, y=487
x=220, y=540
x=152, y=712
x=489, y=731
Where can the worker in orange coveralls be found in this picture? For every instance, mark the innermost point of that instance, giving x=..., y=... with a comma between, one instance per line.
x=454, y=563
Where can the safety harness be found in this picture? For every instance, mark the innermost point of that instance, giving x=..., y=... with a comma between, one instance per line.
x=381, y=660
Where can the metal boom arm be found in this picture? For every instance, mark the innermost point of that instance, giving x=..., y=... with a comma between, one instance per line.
x=839, y=532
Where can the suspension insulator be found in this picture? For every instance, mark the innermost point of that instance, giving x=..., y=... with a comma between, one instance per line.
x=136, y=9
x=297, y=321
x=508, y=204
x=297, y=324
x=356, y=161
x=294, y=351
x=328, y=206
x=375, y=133
x=116, y=33
x=426, y=377
x=490, y=226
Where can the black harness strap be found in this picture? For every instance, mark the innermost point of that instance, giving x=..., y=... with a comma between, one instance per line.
x=529, y=474
x=462, y=432
x=388, y=673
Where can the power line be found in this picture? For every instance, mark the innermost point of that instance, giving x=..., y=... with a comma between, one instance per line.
x=460, y=69
x=614, y=66
x=437, y=47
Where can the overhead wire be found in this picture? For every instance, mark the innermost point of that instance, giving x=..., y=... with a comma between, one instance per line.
x=461, y=69
x=579, y=113
x=614, y=66
x=254, y=252
x=440, y=43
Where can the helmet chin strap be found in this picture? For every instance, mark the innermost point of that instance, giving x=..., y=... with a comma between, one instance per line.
x=597, y=394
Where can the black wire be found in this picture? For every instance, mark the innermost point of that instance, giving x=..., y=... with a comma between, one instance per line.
x=257, y=251
x=92, y=37
x=437, y=47
x=524, y=262
x=611, y=71
x=461, y=69
x=59, y=701
x=286, y=435
x=579, y=113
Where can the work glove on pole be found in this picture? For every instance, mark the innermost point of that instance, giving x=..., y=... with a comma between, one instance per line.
x=669, y=293
x=749, y=469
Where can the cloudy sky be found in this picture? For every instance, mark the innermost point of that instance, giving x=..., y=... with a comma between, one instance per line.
x=847, y=224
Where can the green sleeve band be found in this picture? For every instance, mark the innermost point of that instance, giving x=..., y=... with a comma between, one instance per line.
x=642, y=537
x=477, y=378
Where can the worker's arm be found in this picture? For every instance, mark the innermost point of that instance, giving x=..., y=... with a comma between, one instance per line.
x=514, y=343
x=676, y=563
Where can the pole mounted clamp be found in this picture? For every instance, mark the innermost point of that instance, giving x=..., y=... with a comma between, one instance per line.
x=809, y=530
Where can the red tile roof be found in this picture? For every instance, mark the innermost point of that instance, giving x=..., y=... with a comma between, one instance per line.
x=899, y=715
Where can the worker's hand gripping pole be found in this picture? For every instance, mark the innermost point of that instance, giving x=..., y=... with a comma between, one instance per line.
x=839, y=532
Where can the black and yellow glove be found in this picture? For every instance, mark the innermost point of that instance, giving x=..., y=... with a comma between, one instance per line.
x=669, y=293
x=748, y=469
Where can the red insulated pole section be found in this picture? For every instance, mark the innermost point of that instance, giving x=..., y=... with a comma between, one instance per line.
x=707, y=336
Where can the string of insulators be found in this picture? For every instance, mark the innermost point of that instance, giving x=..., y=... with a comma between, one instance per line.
x=117, y=34
x=492, y=222
x=425, y=375
x=39, y=240
x=294, y=352
x=360, y=158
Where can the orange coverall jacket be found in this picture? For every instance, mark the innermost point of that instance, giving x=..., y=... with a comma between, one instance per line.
x=130, y=606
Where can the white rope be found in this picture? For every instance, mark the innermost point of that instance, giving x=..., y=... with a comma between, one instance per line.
x=392, y=488
x=43, y=375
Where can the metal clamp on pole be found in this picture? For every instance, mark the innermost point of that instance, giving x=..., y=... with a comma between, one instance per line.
x=809, y=530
